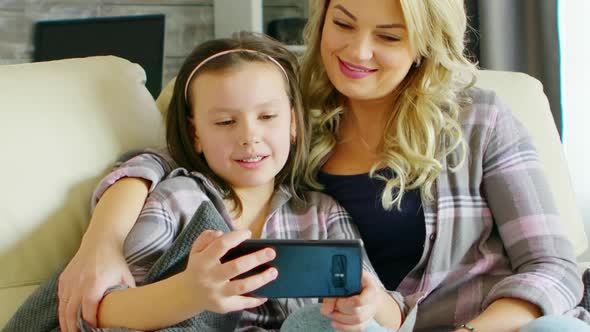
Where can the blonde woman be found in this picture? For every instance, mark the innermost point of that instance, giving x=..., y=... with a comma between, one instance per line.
x=440, y=178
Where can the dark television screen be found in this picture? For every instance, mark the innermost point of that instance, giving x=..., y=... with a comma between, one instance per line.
x=139, y=39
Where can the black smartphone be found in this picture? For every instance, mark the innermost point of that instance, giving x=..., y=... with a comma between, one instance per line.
x=307, y=268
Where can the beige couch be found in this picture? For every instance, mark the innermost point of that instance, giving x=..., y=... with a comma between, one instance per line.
x=63, y=123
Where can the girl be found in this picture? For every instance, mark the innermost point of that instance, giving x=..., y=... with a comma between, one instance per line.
x=237, y=129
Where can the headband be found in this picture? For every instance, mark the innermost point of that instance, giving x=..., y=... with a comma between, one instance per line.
x=216, y=55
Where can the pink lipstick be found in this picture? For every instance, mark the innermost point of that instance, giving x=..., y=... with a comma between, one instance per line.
x=353, y=71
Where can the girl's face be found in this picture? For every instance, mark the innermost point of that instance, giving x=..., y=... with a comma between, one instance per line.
x=365, y=47
x=243, y=123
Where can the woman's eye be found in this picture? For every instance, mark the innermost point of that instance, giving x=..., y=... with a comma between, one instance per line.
x=343, y=25
x=389, y=38
x=268, y=116
x=224, y=122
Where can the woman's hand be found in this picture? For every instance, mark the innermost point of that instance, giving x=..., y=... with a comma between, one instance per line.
x=94, y=269
x=355, y=313
x=209, y=281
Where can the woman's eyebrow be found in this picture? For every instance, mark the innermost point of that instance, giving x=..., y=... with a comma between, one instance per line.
x=391, y=26
x=380, y=26
x=345, y=11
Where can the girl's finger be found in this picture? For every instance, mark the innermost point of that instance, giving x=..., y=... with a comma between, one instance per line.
x=235, y=267
x=250, y=284
x=225, y=242
x=245, y=302
x=204, y=239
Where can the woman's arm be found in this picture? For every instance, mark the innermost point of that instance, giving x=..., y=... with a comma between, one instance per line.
x=99, y=262
x=374, y=301
x=389, y=313
x=545, y=276
x=507, y=314
x=116, y=212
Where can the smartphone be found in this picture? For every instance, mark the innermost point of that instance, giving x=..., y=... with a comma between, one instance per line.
x=307, y=268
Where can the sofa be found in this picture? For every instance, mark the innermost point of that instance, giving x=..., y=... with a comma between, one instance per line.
x=64, y=123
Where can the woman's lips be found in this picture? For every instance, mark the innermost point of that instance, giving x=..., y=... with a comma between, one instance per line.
x=353, y=71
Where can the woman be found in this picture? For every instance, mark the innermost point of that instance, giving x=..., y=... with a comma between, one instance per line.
x=452, y=204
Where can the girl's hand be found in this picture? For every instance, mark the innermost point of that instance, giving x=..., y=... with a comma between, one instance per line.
x=355, y=313
x=89, y=274
x=209, y=282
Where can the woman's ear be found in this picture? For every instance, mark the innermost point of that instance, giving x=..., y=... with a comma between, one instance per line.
x=193, y=132
x=293, y=128
x=418, y=61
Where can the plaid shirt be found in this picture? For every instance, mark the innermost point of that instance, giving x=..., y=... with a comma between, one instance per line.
x=492, y=231
x=171, y=204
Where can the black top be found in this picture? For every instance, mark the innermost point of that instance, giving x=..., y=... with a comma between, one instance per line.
x=394, y=239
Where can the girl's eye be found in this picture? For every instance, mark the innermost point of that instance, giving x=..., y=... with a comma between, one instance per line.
x=224, y=122
x=343, y=25
x=389, y=38
x=268, y=116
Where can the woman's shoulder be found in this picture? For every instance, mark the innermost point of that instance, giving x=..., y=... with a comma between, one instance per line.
x=482, y=107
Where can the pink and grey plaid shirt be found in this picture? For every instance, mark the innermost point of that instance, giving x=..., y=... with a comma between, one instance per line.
x=173, y=201
x=493, y=230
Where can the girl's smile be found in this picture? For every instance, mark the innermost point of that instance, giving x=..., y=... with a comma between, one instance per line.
x=252, y=162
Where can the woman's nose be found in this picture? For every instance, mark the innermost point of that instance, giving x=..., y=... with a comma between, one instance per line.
x=362, y=47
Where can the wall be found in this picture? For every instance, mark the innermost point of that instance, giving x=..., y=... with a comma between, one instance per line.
x=575, y=73
x=188, y=22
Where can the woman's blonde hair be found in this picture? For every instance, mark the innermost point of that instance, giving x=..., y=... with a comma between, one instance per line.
x=423, y=127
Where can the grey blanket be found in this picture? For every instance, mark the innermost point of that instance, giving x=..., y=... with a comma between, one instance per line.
x=39, y=312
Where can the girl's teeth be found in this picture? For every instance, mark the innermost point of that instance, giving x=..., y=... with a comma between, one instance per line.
x=252, y=160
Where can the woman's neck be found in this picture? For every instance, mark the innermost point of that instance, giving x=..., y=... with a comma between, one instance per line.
x=367, y=120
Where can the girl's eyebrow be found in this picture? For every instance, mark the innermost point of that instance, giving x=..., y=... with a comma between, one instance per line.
x=380, y=26
x=221, y=109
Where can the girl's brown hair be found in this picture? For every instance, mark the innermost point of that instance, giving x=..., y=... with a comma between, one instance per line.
x=180, y=139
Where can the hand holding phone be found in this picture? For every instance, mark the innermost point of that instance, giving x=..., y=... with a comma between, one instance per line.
x=355, y=312
x=208, y=278
x=306, y=268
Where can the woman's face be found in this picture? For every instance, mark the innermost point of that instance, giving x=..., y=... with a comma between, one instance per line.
x=365, y=47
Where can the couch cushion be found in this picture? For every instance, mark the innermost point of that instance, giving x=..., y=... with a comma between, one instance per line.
x=63, y=124
x=12, y=298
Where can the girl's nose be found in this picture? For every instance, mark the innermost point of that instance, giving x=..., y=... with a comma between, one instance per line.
x=251, y=140
x=249, y=135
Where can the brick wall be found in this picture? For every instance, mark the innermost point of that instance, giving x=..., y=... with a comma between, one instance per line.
x=188, y=22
